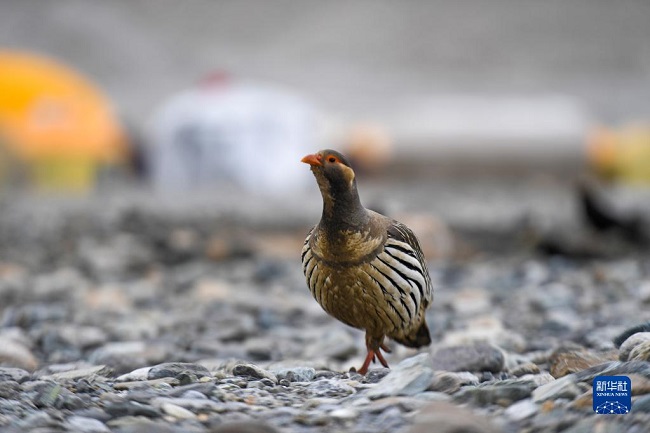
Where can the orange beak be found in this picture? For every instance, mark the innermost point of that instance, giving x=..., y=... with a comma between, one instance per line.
x=313, y=160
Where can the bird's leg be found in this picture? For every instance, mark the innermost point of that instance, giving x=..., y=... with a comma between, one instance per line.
x=374, y=346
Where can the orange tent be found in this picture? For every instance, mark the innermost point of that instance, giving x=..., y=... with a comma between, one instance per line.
x=55, y=123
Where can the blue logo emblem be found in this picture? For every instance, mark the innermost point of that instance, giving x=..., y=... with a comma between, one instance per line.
x=612, y=395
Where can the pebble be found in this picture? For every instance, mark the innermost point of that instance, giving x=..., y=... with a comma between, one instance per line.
x=449, y=382
x=521, y=410
x=443, y=417
x=631, y=343
x=503, y=393
x=174, y=342
x=409, y=377
x=175, y=369
x=177, y=411
x=563, y=362
x=83, y=424
x=297, y=374
x=640, y=352
x=565, y=387
x=244, y=427
x=476, y=357
x=252, y=370
x=15, y=354
x=15, y=374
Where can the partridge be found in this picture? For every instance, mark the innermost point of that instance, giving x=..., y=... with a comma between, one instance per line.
x=363, y=268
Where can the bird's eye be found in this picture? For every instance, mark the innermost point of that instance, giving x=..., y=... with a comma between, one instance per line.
x=332, y=159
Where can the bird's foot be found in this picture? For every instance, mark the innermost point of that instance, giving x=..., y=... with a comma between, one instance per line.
x=372, y=355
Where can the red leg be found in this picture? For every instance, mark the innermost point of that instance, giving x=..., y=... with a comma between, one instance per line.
x=374, y=346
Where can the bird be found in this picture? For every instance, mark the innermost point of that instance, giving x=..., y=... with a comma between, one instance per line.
x=363, y=268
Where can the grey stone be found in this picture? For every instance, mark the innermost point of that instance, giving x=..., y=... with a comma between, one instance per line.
x=244, y=427
x=521, y=410
x=640, y=352
x=176, y=411
x=442, y=417
x=331, y=343
x=523, y=369
x=503, y=393
x=194, y=404
x=472, y=357
x=83, y=424
x=449, y=383
x=564, y=387
x=297, y=374
x=126, y=356
x=329, y=388
x=16, y=374
x=252, y=370
x=127, y=408
x=409, y=377
x=16, y=354
x=641, y=405
x=615, y=368
x=81, y=373
x=175, y=369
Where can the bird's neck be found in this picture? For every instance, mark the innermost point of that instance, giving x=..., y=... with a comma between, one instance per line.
x=342, y=210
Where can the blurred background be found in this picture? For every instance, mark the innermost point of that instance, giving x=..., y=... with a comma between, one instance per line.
x=156, y=86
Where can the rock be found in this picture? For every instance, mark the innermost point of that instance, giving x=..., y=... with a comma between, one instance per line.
x=620, y=339
x=138, y=374
x=260, y=348
x=128, y=408
x=469, y=302
x=409, y=377
x=641, y=405
x=193, y=404
x=444, y=417
x=521, y=410
x=129, y=355
x=329, y=388
x=9, y=390
x=333, y=342
x=563, y=362
x=138, y=424
x=641, y=352
x=16, y=374
x=640, y=384
x=45, y=394
x=177, y=411
x=564, y=387
x=485, y=329
x=80, y=373
x=81, y=337
x=83, y=424
x=177, y=369
x=252, y=370
x=523, y=369
x=615, y=368
x=503, y=393
x=244, y=427
x=630, y=343
x=475, y=357
x=344, y=414
x=297, y=374
x=16, y=354
x=449, y=383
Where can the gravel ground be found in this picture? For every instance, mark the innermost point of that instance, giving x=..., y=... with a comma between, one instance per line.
x=127, y=315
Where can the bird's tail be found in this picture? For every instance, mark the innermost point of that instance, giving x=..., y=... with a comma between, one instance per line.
x=419, y=338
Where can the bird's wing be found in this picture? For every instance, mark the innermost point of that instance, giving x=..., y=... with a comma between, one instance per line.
x=403, y=241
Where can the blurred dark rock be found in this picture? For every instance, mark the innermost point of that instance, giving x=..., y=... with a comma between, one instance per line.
x=475, y=357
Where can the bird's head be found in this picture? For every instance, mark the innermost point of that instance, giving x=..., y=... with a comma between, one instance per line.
x=332, y=171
